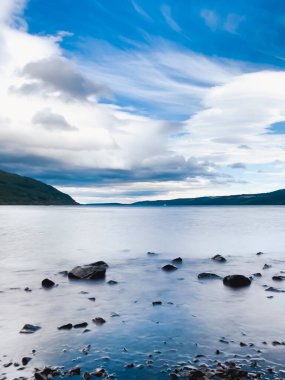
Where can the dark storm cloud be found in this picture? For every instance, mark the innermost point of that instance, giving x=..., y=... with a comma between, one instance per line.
x=57, y=173
x=51, y=121
x=56, y=75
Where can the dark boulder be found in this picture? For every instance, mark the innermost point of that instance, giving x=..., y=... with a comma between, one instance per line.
x=208, y=276
x=47, y=283
x=80, y=325
x=177, y=260
x=99, y=320
x=236, y=281
x=68, y=326
x=92, y=271
x=26, y=360
x=169, y=268
x=219, y=258
x=29, y=329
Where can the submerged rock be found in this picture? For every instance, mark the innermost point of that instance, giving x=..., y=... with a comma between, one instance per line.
x=266, y=266
x=236, y=281
x=275, y=290
x=99, y=320
x=260, y=253
x=80, y=325
x=68, y=326
x=169, y=268
x=208, y=276
x=156, y=303
x=92, y=271
x=112, y=282
x=47, y=283
x=177, y=260
x=278, y=278
x=219, y=258
x=29, y=329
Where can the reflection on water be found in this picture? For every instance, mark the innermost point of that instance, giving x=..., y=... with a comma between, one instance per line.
x=39, y=242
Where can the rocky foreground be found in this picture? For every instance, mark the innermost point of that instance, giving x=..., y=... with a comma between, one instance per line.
x=199, y=366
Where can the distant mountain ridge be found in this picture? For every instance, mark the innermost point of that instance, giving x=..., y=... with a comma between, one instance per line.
x=19, y=190
x=262, y=199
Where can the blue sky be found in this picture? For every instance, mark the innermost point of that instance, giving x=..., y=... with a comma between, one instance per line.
x=133, y=99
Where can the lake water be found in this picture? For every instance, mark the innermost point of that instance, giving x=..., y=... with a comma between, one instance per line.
x=39, y=242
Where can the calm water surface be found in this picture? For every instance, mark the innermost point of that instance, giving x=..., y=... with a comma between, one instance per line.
x=39, y=242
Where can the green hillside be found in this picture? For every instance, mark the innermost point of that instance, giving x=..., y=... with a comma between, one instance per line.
x=18, y=190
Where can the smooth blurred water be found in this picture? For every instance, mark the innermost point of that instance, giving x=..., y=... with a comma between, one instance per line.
x=39, y=242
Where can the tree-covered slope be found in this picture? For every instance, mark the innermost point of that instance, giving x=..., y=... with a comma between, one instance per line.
x=18, y=190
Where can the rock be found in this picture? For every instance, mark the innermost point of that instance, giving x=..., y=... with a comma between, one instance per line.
x=260, y=253
x=99, y=320
x=208, y=276
x=68, y=326
x=29, y=329
x=257, y=275
x=156, y=303
x=80, y=325
x=113, y=315
x=85, y=350
x=92, y=299
x=278, y=278
x=63, y=273
x=112, y=282
x=275, y=290
x=99, y=372
x=169, y=268
x=26, y=360
x=236, y=281
x=130, y=365
x=92, y=271
x=177, y=260
x=27, y=289
x=219, y=259
x=242, y=344
x=266, y=266
x=152, y=253
x=75, y=371
x=47, y=283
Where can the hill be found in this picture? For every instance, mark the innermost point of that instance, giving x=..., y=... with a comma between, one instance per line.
x=262, y=199
x=18, y=190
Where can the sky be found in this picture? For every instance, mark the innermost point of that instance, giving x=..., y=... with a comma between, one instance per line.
x=128, y=100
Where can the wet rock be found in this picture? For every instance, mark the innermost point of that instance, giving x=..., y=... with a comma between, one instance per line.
x=260, y=253
x=75, y=371
x=130, y=365
x=99, y=372
x=152, y=253
x=68, y=326
x=80, y=325
x=6, y=365
x=219, y=259
x=112, y=282
x=267, y=266
x=257, y=275
x=236, y=281
x=156, y=303
x=113, y=315
x=92, y=299
x=169, y=268
x=26, y=360
x=63, y=273
x=208, y=276
x=242, y=344
x=92, y=271
x=27, y=289
x=29, y=329
x=177, y=260
x=47, y=283
x=86, y=349
x=275, y=290
x=99, y=320
x=278, y=278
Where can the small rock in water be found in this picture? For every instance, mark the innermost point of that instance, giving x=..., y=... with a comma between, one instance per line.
x=130, y=365
x=169, y=268
x=27, y=289
x=156, y=303
x=29, y=329
x=47, y=283
x=278, y=278
x=26, y=360
x=219, y=258
x=68, y=326
x=208, y=276
x=74, y=371
x=92, y=299
x=152, y=253
x=257, y=274
x=113, y=315
x=275, y=290
x=112, y=282
x=236, y=281
x=80, y=325
x=267, y=266
x=99, y=320
x=85, y=350
x=260, y=253
x=177, y=260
